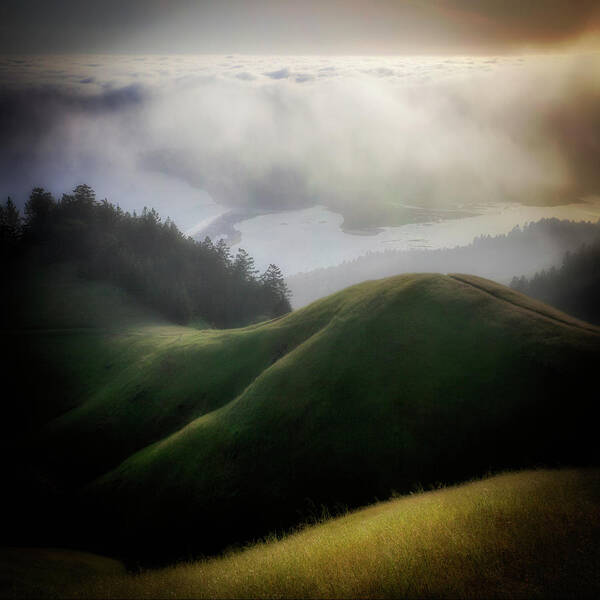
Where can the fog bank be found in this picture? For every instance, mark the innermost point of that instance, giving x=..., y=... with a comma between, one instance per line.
x=383, y=141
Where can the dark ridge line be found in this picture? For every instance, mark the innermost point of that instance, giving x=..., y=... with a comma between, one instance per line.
x=589, y=328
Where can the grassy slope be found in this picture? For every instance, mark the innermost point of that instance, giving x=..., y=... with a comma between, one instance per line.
x=407, y=379
x=158, y=378
x=61, y=339
x=113, y=387
x=529, y=534
x=54, y=338
x=135, y=383
x=388, y=383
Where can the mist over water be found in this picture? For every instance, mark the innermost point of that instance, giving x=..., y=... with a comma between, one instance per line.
x=312, y=238
x=326, y=145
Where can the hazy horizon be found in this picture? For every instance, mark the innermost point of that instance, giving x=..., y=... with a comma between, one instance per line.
x=245, y=119
x=282, y=26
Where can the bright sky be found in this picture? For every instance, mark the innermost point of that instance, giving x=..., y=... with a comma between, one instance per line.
x=294, y=27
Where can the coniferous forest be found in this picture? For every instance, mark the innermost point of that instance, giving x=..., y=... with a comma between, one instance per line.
x=574, y=287
x=152, y=259
x=524, y=251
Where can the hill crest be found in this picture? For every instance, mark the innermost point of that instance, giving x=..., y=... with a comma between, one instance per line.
x=414, y=378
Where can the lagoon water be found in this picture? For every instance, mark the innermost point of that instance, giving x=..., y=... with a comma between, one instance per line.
x=303, y=240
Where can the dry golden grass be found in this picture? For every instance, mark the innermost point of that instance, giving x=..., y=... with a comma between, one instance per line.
x=528, y=534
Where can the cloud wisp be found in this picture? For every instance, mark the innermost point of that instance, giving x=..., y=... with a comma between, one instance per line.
x=375, y=139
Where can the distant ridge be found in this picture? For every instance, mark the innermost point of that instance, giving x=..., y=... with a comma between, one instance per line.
x=523, y=251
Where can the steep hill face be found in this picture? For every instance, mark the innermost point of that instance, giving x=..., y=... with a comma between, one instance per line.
x=388, y=384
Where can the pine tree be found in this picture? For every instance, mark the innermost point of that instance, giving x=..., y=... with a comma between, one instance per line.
x=38, y=208
x=84, y=194
x=223, y=251
x=243, y=266
x=276, y=290
x=10, y=222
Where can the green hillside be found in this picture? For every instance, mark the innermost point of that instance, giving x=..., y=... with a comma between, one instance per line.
x=56, y=338
x=530, y=534
x=179, y=442
x=139, y=382
x=411, y=379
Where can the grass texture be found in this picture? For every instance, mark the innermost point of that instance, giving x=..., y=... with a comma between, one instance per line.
x=533, y=534
x=176, y=439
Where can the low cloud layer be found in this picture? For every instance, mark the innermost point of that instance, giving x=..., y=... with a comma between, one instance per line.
x=375, y=139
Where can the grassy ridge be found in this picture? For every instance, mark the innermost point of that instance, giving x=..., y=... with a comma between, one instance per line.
x=521, y=301
x=529, y=534
x=417, y=378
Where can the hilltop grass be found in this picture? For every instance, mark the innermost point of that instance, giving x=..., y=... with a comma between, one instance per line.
x=531, y=534
x=418, y=377
x=413, y=378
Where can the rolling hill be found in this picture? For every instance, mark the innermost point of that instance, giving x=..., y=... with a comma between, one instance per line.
x=177, y=442
x=388, y=384
x=529, y=534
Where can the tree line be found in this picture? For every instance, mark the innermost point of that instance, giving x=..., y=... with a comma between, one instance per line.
x=523, y=251
x=150, y=258
x=574, y=287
